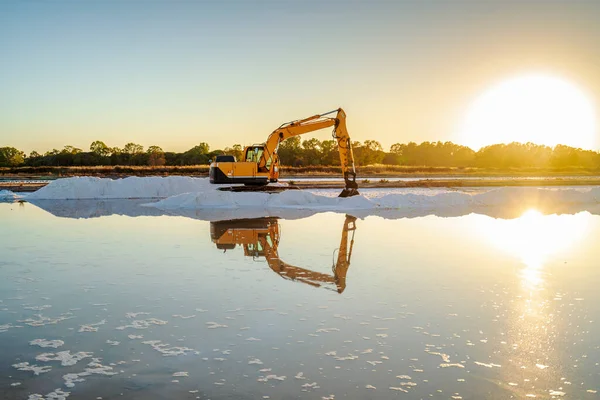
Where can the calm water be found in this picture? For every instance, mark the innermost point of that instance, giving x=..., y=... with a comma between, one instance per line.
x=156, y=307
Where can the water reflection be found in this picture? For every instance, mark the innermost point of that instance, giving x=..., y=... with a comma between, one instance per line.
x=534, y=331
x=259, y=237
x=137, y=208
x=534, y=238
x=159, y=303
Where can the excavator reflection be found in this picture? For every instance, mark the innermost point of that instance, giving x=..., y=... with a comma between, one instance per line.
x=260, y=238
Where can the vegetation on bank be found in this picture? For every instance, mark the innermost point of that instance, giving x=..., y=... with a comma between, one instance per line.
x=314, y=156
x=376, y=172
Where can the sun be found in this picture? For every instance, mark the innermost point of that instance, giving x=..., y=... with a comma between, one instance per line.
x=541, y=109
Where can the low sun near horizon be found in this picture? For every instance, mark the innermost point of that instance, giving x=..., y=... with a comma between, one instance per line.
x=543, y=109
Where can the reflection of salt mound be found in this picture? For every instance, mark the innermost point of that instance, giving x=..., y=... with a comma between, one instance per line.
x=7, y=195
x=126, y=188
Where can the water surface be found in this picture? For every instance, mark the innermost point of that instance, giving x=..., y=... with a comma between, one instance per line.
x=159, y=306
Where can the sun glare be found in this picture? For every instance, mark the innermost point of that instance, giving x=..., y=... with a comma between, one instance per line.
x=536, y=108
x=534, y=238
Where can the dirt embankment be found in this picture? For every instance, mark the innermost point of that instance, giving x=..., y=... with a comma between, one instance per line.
x=25, y=186
x=28, y=179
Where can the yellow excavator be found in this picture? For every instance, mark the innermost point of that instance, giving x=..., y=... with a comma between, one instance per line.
x=260, y=163
x=260, y=238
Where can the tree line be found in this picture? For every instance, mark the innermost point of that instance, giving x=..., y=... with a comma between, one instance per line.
x=294, y=152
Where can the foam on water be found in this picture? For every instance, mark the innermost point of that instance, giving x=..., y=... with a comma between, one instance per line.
x=57, y=394
x=166, y=349
x=25, y=366
x=65, y=357
x=47, y=343
x=93, y=368
x=142, y=323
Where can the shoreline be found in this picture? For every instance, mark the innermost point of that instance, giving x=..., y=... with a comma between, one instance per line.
x=377, y=182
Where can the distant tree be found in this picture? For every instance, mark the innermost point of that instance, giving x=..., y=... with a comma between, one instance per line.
x=70, y=150
x=133, y=148
x=154, y=149
x=11, y=157
x=311, y=153
x=52, y=152
x=330, y=154
x=290, y=151
x=236, y=151
x=100, y=148
x=197, y=155
x=445, y=154
x=156, y=156
x=295, y=152
x=172, y=158
x=368, y=153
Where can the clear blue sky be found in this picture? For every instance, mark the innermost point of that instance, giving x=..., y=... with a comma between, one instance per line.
x=174, y=73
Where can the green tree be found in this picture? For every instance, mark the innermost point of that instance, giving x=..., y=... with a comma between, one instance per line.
x=368, y=153
x=70, y=150
x=311, y=153
x=100, y=149
x=154, y=149
x=156, y=156
x=236, y=151
x=11, y=157
x=133, y=148
x=330, y=155
x=290, y=151
x=197, y=155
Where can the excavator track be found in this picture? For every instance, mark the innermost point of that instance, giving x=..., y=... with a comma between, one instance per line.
x=261, y=189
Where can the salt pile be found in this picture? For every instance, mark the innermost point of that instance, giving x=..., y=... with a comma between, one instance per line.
x=79, y=188
x=296, y=199
x=185, y=193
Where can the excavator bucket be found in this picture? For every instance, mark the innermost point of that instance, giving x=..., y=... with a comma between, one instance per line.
x=351, y=187
x=349, y=192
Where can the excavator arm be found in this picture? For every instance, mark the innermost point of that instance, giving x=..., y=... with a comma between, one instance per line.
x=314, y=278
x=310, y=124
x=260, y=238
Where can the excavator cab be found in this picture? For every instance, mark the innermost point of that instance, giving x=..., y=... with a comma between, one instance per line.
x=260, y=237
x=254, y=153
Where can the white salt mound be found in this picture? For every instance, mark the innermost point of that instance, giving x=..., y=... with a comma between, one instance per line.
x=185, y=193
x=79, y=188
x=299, y=199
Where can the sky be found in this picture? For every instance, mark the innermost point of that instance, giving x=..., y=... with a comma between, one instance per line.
x=177, y=73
